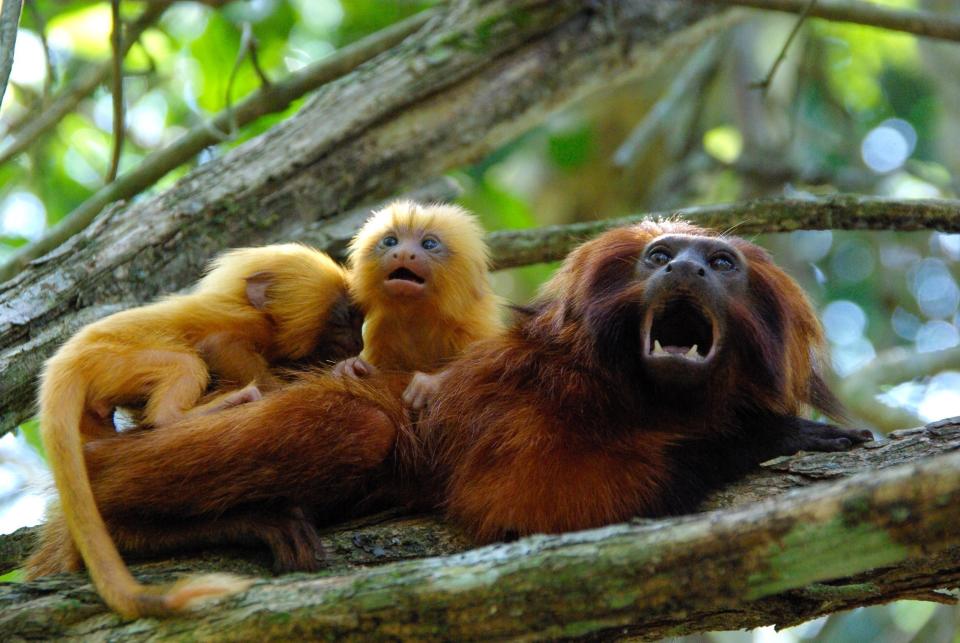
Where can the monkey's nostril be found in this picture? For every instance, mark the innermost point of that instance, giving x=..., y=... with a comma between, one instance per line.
x=701, y=272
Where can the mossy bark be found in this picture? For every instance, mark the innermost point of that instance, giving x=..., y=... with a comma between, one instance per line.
x=805, y=536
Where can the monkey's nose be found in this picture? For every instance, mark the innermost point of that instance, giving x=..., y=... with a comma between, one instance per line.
x=686, y=267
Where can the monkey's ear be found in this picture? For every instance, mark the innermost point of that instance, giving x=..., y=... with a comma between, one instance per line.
x=257, y=285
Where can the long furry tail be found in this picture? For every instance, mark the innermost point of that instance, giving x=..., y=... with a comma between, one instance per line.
x=62, y=404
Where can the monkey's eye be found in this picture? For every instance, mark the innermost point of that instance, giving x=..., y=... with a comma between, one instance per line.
x=430, y=243
x=659, y=257
x=390, y=241
x=722, y=263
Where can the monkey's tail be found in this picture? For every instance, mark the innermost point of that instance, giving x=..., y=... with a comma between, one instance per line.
x=62, y=404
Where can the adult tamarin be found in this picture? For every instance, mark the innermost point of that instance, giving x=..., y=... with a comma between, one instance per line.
x=255, y=306
x=663, y=362
x=419, y=273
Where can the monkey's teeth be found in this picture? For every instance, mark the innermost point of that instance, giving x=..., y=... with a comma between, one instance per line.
x=692, y=352
x=657, y=348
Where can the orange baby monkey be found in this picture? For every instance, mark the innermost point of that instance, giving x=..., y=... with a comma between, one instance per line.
x=419, y=273
x=255, y=307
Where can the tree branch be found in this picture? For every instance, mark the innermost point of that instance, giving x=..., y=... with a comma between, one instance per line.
x=859, y=389
x=512, y=248
x=878, y=536
x=119, y=125
x=414, y=111
x=9, y=23
x=920, y=23
x=24, y=133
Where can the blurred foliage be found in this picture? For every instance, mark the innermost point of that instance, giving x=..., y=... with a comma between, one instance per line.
x=853, y=109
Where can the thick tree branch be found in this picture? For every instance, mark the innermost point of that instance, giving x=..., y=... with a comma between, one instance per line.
x=479, y=75
x=920, y=23
x=871, y=538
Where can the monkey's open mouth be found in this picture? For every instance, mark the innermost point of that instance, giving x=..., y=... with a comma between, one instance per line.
x=405, y=274
x=680, y=328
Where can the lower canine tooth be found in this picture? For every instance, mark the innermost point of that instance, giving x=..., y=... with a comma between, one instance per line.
x=657, y=348
x=692, y=352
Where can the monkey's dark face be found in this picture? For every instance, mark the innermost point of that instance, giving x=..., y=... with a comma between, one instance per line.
x=689, y=282
x=406, y=258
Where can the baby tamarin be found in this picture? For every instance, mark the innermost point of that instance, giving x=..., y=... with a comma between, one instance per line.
x=254, y=307
x=419, y=273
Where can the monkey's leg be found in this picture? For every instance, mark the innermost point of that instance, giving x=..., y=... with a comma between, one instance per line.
x=179, y=379
x=234, y=359
x=285, y=531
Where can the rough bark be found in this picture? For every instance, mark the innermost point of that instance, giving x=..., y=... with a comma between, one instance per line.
x=807, y=535
x=479, y=74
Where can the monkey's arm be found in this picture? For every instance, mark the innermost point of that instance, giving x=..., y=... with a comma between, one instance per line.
x=423, y=389
x=800, y=434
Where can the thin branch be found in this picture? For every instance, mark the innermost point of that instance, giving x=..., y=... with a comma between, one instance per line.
x=25, y=132
x=273, y=98
x=9, y=23
x=690, y=76
x=920, y=23
x=511, y=248
x=248, y=47
x=116, y=43
x=764, y=85
x=38, y=18
x=859, y=389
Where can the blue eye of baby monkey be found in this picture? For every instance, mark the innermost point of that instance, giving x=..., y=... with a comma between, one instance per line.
x=390, y=241
x=430, y=244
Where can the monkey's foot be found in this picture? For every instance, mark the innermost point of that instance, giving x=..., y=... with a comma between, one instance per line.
x=294, y=542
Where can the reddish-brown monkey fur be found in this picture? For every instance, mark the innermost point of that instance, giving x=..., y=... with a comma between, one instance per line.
x=255, y=307
x=593, y=407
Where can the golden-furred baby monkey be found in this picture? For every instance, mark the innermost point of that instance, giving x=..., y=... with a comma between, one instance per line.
x=419, y=273
x=254, y=307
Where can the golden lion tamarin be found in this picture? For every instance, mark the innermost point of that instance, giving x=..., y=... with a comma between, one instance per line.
x=662, y=362
x=254, y=307
x=419, y=274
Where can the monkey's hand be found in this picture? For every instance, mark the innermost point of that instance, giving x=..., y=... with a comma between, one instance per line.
x=353, y=367
x=819, y=436
x=249, y=393
x=423, y=388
